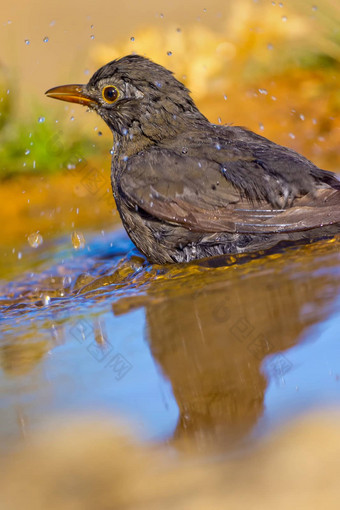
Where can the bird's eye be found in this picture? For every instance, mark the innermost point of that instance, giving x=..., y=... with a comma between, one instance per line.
x=110, y=94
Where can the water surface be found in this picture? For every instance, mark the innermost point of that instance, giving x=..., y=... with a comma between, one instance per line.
x=210, y=356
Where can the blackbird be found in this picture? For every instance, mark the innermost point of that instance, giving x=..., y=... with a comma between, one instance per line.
x=187, y=189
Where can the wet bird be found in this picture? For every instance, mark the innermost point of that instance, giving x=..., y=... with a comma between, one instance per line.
x=187, y=189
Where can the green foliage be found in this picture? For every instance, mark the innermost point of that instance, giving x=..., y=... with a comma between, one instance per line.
x=5, y=106
x=5, y=99
x=40, y=147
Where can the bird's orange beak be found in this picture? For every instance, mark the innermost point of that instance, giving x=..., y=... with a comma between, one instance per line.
x=72, y=94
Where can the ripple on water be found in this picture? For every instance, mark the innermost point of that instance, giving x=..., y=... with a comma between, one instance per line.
x=214, y=348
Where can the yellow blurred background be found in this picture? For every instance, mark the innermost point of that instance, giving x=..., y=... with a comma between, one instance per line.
x=272, y=66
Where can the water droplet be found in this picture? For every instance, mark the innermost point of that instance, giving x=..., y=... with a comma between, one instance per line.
x=92, y=26
x=280, y=4
x=125, y=158
x=161, y=15
x=204, y=10
x=261, y=126
x=284, y=18
x=169, y=53
x=92, y=36
x=52, y=23
x=314, y=121
x=78, y=240
x=100, y=133
x=41, y=120
x=67, y=281
x=45, y=39
x=273, y=98
x=132, y=39
x=112, y=151
x=35, y=239
x=302, y=117
x=184, y=150
x=225, y=97
x=263, y=91
x=71, y=118
x=46, y=300
x=218, y=147
x=314, y=8
x=19, y=255
x=27, y=41
x=219, y=120
x=27, y=151
x=292, y=135
x=270, y=46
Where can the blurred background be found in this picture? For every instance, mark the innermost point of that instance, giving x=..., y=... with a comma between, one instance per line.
x=271, y=65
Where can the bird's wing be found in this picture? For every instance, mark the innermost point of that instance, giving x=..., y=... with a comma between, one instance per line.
x=195, y=193
x=260, y=169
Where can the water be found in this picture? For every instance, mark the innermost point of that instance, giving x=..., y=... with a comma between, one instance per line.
x=216, y=353
x=78, y=240
x=35, y=239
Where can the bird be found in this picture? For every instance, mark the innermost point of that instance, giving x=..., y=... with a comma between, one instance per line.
x=187, y=189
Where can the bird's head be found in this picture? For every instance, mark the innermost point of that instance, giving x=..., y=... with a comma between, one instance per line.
x=133, y=94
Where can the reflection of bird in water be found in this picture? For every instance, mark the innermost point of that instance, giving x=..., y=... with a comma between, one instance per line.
x=188, y=189
x=211, y=332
